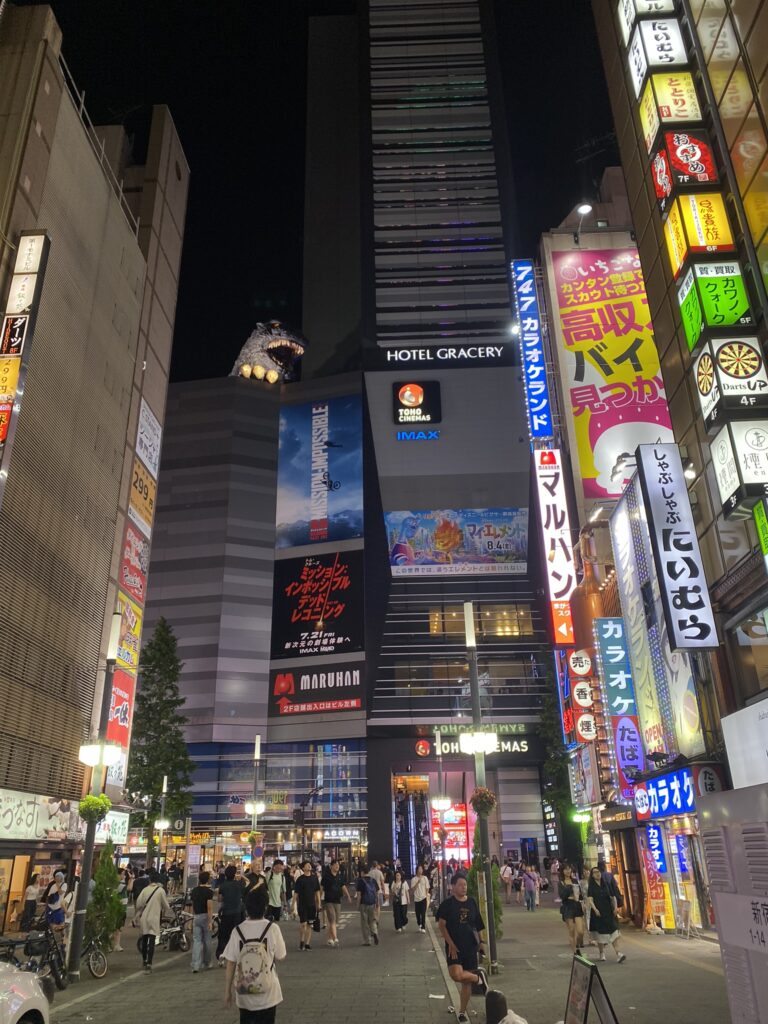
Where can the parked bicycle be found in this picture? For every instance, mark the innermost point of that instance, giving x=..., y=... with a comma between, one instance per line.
x=95, y=958
x=42, y=951
x=173, y=933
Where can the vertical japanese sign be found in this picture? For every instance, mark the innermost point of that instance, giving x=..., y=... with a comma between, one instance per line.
x=667, y=703
x=532, y=350
x=656, y=846
x=616, y=674
x=17, y=333
x=609, y=366
x=679, y=567
x=558, y=546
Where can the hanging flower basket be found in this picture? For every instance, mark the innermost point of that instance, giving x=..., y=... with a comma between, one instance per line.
x=483, y=801
x=254, y=838
x=95, y=808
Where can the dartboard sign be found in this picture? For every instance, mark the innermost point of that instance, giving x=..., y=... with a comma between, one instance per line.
x=731, y=380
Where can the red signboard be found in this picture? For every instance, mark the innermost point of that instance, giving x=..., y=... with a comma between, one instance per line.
x=456, y=835
x=691, y=159
x=6, y=408
x=134, y=563
x=316, y=688
x=121, y=708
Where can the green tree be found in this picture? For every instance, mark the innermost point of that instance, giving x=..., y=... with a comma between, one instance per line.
x=105, y=911
x=557, y=788
x=472, y=882
x=157, y=745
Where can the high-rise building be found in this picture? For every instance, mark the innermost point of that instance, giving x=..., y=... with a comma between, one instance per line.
x=90, y=245
x=403, y=475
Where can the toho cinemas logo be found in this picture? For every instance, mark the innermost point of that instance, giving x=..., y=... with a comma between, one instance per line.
x=309, y=692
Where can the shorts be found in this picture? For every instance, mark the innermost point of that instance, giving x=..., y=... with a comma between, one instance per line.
x=258, y=1016
x=332, y=912
x=307, y=914
x=273, y=913
x=55, y=916
x=467, y=959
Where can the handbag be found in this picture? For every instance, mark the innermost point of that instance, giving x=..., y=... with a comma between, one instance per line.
x=316, y=925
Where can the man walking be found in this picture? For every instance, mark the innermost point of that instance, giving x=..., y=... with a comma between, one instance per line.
x=367, y=900
x=378, y=876
x=276, y=890
x=460, y=924
x=333, y=887
x=306, y=900
x=202, y=910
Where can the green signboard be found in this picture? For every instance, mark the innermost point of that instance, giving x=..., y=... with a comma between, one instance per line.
x=761, y=524
x=723, y=294
x=690, y=311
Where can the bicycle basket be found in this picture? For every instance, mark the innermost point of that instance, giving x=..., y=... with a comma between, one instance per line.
x=35, y=945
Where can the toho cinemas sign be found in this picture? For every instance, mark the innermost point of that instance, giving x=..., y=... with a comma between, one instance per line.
x=323, y=689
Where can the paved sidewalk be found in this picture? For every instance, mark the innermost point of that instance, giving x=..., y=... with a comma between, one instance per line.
x=664, y=978
x=390, y=983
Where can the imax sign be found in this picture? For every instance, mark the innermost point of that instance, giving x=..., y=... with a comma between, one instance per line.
x=418, y=435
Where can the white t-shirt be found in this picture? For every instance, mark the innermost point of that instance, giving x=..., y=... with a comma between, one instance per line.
x=378, y=878
x=420, y=887
x=251, y=929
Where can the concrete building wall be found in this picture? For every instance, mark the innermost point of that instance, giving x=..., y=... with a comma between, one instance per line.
x=214, y=548
x=63, y=508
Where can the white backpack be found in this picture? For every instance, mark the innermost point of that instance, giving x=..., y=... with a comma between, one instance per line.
x=253, y=966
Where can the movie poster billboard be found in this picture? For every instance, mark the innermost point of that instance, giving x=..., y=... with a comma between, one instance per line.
x=320, y=472
x=315, y=689
x=129, y=639
x=318, y=605
x=609, y=365
x=458, y=542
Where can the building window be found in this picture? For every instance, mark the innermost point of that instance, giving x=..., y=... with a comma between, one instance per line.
x=749, y=649
x=492, y=621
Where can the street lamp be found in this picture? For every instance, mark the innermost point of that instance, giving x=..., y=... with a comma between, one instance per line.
x=162, y=823
x=98, y=755
x=480, y=743
x=441, y=804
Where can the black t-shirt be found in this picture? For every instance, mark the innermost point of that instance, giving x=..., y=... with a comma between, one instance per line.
x=231, y=893
x=305, y=888
x=200, y=896
x=462, y=919
x=332, y=885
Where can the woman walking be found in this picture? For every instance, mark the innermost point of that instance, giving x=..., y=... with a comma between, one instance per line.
x=398, y=895
x=150, y=906
x=603, y=919
x=31, y=897
x=569, y=891
x=420, y=893
x=507, y=874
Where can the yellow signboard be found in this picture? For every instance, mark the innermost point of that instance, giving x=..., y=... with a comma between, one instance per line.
x=9, y=377
x=649, y=116
x=674, y=236
x=143, y=493
x=676, y=98
x=130, y=633
x=706, y=222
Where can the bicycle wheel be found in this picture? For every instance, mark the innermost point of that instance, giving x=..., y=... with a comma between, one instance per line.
x=97, y=963
x=60, y=978
x=183, y=941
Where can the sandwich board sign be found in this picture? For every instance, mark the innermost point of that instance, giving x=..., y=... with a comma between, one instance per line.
x=587, y=989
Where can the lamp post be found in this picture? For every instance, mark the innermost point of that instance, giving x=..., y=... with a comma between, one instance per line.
x=162, y=823
x=98, y=755
x=255, y=807
x=479, y=743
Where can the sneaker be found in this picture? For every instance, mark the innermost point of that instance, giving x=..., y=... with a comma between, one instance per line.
x=622, y=957
x=301, y=946
x=147, y=968
x=366, y=943
x=602, y=958
x=118, y=949
x=307, y=947
x=209, y=967
x=423, y=930
x=462, y=1018
x=376, y=938
x=194, y=970
x=482, y=980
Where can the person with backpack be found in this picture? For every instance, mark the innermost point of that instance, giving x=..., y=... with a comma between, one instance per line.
x=150, y=907
x=306, y=899
x=250, y=956
x=368, y=900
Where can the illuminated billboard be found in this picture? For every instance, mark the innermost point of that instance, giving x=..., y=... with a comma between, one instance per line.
x=316, y=689
x=457, y=542
x=712, y=295
x=320, y=472
x=318, y=605
x=134, y=563
x=532, y=350
x=558, y=543
x=731, y=380
x=668, y=97
x=609, y=365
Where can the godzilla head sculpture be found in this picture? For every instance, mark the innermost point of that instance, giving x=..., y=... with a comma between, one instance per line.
x=270, y=354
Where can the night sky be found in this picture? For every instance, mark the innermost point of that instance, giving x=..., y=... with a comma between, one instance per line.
x=233, y=75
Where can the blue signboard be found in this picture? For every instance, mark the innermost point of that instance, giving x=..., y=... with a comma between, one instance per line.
x=681, y=842
x=613, y=646
x=666, y=796
x=532, y=350
x=656, y=846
